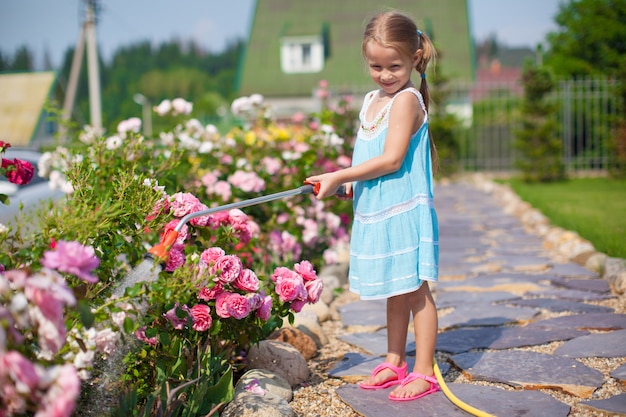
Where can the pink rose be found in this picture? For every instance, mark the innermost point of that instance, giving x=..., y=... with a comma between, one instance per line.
x=291, y=288
x=182, y=204
x=60, y=400
x=201, y=314
x=314, y=290
x=72, y=258
x=221, y=305
x=306, y=270
x=200, y=221
x=208, y=294
x=18, y=171
x=176, y=258
x=237, y=306
x=21, y=371
x=227, y=268
x=265, y=309
x=177, y=322
x=247, y=281
x=296, y=305
x=210, y=255
x=141, y=335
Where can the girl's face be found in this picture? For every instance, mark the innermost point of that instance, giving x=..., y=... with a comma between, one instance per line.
x=390, y=70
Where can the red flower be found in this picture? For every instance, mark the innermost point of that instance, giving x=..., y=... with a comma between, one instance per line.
x=18, y=171
x=4, y=146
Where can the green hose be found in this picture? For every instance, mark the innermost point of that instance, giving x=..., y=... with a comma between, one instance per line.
x=463, y=406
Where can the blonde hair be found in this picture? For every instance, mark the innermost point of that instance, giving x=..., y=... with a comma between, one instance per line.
x=398, y=31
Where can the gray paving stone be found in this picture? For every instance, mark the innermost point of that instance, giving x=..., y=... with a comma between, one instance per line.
x=598, y=345
x=444, y=299
x=571, y=269
x=558, y=305
x=376, y=343
x=620, y=374
x=364, y=313
x=469, y=315
x=591, y=321
x=464, y=340
x=615, y=406
x=590, y=284
x=530, y=370
x=521, y=261
x=491, y=400
x=571, y=295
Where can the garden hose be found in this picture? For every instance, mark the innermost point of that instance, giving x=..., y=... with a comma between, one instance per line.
x=463, y=406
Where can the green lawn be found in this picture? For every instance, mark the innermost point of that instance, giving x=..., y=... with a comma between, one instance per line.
x=595, y=208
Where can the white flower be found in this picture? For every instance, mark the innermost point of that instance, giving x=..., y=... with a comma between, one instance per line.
x=106, y=341
x=181, y=106
x=256, y=100
x=163, y=108
x=113, y=142
x=3, y=229
x=206, y=147
x=129, y=125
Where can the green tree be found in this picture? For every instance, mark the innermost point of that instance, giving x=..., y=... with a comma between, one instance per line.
x=540, y=147
x=590, y=41
x=23, y=60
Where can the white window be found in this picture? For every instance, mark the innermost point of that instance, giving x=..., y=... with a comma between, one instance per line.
x=301, y=54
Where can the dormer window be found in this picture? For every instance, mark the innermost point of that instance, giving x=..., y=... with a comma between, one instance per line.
x=301, y=54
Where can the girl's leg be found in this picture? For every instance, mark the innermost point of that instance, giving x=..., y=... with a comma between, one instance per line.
x=425, y=325
x=398, y=315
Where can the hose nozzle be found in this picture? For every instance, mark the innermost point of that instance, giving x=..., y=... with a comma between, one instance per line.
x=162, y=249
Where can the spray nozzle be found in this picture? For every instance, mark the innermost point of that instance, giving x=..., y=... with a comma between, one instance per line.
x=162, y=249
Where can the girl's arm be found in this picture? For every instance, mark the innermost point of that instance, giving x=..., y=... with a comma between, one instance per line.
x=405, y=118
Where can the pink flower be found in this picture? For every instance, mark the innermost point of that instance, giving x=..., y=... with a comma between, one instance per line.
x=18, y=171
x=247, y=181
x=208, y=294
x=291, y=287
x=247, y=281
x=182, y=204
x=344, y=161
x=172, y=315
x=271, y=165
x=221, y=305
x=60, y=400
x=106, y=341
x=314, y=290
x=296, y=305
x=141, y=335
x=210, y=255
x=237, y=306
x=176, y=258
x=72, y=258
x=223, y=189
x=227, y=268
x=201, y=221
x=306, y=270
x=265, y=309
x=201, y=315
x=20, y=370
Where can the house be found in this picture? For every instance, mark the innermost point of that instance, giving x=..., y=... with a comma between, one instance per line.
x=23, y=119
x=294, y=45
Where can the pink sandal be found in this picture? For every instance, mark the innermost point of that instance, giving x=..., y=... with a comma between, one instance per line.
x=434, y=386
x=400, y=375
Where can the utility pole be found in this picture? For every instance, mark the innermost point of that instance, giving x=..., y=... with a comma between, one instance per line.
x=87, y=35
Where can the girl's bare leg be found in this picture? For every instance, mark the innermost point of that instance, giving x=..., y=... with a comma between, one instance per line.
x=425, y=326
x=398, y=315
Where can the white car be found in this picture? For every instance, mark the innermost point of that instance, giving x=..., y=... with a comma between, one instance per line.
x=32, y=195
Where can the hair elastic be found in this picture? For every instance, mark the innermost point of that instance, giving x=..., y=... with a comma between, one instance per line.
x=423, y=75
x=419, y=32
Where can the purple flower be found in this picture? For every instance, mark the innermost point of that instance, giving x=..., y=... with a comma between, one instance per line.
x=72, y=258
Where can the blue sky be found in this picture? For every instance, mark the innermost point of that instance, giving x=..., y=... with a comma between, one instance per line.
x=54, y=25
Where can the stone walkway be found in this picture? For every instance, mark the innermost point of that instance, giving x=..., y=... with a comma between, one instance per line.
x=524, y=334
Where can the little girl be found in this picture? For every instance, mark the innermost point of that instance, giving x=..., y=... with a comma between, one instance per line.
x=394, y=244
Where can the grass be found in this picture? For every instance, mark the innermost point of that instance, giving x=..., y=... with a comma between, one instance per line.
x=595, y=208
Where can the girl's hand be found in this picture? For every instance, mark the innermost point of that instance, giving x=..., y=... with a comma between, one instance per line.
x=328, y=184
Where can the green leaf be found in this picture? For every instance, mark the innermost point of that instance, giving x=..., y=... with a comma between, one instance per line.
x=86, y=316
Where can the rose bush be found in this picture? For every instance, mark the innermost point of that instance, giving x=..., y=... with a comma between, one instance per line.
x=229, y=279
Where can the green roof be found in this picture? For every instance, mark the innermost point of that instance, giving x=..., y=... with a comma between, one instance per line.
x=341, y=24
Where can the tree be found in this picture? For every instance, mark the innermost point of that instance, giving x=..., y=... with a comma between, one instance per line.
x=23, y=60
x=540, y=147
x=591, y=40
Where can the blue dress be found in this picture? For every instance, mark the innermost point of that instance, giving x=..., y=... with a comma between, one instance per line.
x=394, y=245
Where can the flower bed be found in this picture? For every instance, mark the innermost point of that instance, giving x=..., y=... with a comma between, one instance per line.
x=177, y=332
